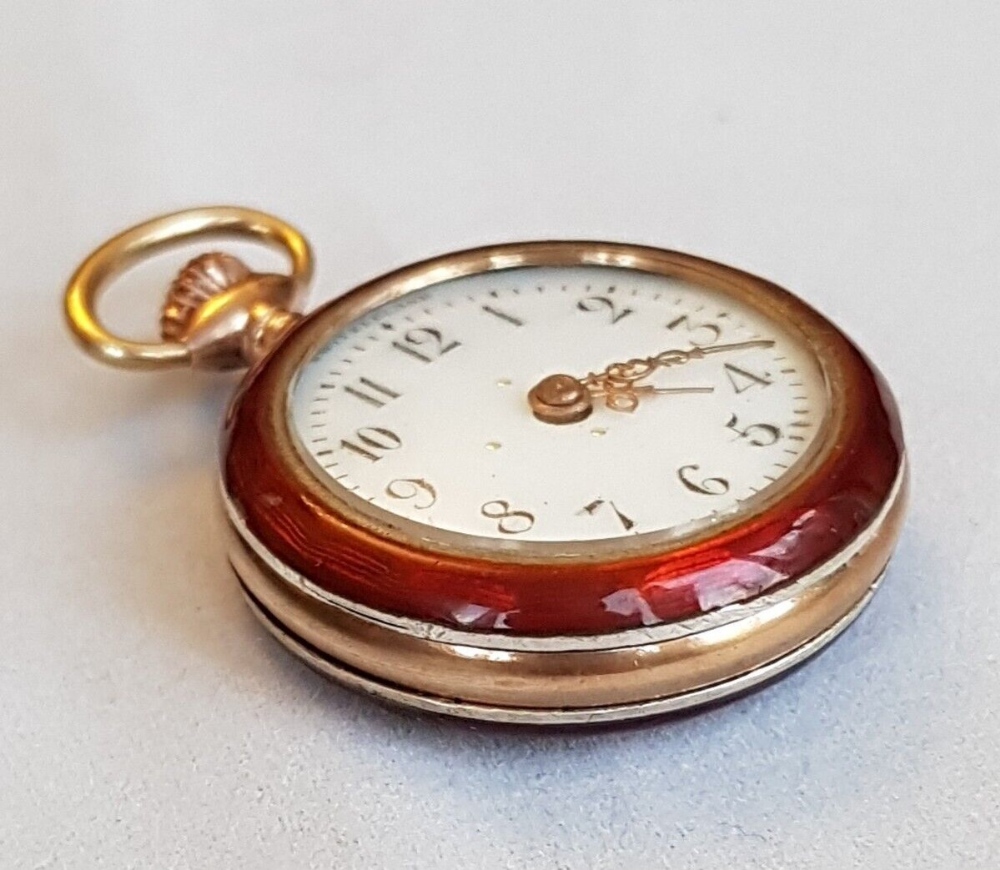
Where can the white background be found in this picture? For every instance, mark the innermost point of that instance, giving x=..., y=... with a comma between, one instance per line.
x=850, y=151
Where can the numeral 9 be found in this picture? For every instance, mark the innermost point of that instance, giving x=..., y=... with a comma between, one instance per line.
x=405, y=488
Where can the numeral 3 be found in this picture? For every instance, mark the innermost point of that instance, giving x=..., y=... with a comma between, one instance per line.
x=699, y=334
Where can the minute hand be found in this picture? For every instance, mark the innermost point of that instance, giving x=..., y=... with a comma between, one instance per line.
x=637, y=369
x=561, y=399
x=617, y=384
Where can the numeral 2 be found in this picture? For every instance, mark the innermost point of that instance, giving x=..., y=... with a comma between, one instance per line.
x=603, y=303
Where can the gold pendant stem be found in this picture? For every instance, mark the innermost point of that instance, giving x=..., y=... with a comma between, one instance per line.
x=218, y=314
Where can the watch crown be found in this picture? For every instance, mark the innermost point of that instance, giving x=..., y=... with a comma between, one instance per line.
x=201, y=279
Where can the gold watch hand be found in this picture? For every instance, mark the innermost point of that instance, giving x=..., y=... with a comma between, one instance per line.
x=566, y=399
x=628, y=399
x=637, y=369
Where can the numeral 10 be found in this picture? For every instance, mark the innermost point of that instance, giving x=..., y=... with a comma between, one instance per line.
x=372, y=442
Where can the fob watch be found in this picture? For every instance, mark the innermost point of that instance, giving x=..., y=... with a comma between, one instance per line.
x=551, y=482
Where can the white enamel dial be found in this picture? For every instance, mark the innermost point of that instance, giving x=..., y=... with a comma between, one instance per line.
x=421, y=406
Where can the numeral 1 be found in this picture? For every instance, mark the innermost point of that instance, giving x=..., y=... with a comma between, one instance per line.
x=503, y=315
x=424, y=494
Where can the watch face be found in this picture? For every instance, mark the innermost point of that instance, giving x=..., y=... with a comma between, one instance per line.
x=558, y=438
x=419, y=411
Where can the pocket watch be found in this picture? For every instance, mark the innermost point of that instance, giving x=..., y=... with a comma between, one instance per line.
x=547, y=482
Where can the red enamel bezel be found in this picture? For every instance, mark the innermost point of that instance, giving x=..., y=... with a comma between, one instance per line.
x=304, y=525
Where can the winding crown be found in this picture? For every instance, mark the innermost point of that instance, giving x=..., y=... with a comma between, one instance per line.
x=201, y=279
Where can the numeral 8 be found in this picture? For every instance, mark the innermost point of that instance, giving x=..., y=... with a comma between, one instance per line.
x=510, y=521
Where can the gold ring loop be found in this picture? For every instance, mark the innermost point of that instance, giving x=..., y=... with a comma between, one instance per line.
x=124, y=250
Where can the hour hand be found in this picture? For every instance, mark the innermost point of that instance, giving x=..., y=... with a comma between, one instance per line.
x=565, y=399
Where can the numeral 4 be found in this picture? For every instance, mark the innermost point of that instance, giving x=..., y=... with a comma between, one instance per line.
x=742, y=380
